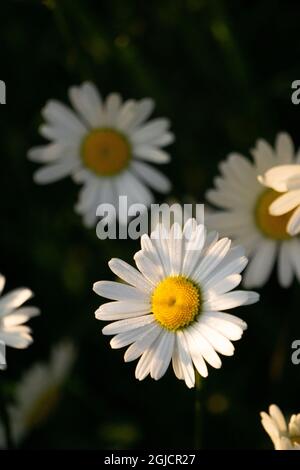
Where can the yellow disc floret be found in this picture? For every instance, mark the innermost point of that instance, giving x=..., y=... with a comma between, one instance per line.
x=272, y=226
x=105, y=152
x=176, y=302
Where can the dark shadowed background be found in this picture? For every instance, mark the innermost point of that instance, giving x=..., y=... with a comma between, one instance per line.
x=222, y=72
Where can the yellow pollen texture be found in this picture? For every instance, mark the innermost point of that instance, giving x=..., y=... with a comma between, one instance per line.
x=105, y=152
x=176, y=302
x=272, y=226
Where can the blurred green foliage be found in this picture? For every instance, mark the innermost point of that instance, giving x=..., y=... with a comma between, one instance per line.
x=221, y=71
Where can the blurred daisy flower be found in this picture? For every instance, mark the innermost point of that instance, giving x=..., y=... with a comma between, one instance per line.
x=245, y=212
x=13, y=332
x=283, y=436
x=172, y=307
x=105, y=146
x=39, y=392
x=285, y=181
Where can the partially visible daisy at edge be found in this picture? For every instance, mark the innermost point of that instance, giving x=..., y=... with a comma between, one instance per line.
x=171, y=307
x=105, y=145
x=243, y=212
x=284, y=436
x=39, y=392
x=285, y=180
x=13, y=315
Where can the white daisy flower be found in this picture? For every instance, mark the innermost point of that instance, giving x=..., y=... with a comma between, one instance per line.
x=104, y=145
x=13, y=332
x=283, y=436
x=172, y=307
x=39, y=392
x=245, y=216
x=285, y=180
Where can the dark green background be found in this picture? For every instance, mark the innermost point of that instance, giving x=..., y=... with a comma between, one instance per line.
x=222, y=72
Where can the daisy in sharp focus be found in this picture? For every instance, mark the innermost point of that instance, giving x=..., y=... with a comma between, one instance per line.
x=243, y=214
x=283, y=436
x=105, y=146
x=13, y=332
x=171, y=308
x=39, y=392
x=285, y=180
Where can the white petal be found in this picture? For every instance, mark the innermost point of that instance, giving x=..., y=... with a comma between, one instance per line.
x=151, y=154
x=285, y=203
x=261, y=264
x=126, y=325
x=142, y=343
x=20, y=316
x=144, y=364
x=17, y=337
x=122, y=309
x=60, y=115
x=151, y=272
x=160, y=238
x=176, y=362
x=278, y=417
x=284, y=148
x=263, y=156
x=88, y=196
x=205, y=348
x=175, y=249
x=235, y=266
x=294, y=252
x=2, y=283
x=229, y=329
x=50, y=152
x=112, y=108
x=211, y=259
x=142, y=111
x=277, y=177
x=87, y=102
x=118, y=291
x=54, y=172
x=231, y=300
x=124, y=339
x=193, y=250
x=219, y=342
x=151, y=130
x=152, y=177
x=194, y=349
x=162, y=355
x=185, y=360
x=293, y=226
x=285, y=267
x=226, y=284
x=13, y=300
x=129, y=274
x=150, y=251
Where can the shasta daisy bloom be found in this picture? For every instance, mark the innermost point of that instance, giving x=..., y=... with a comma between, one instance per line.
x=105, y=146
x=285, y=180
x=171, y=308
x=13, y=315
x=39, y=392
x=283, y=436
x=243, y=214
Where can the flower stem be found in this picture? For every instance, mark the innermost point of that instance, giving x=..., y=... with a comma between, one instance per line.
x=5, y=420
x=198, y=434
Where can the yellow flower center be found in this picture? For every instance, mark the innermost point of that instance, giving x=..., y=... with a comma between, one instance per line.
x=176, y=301
x=105, y=151
x=272, y=226
x=43, y=407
